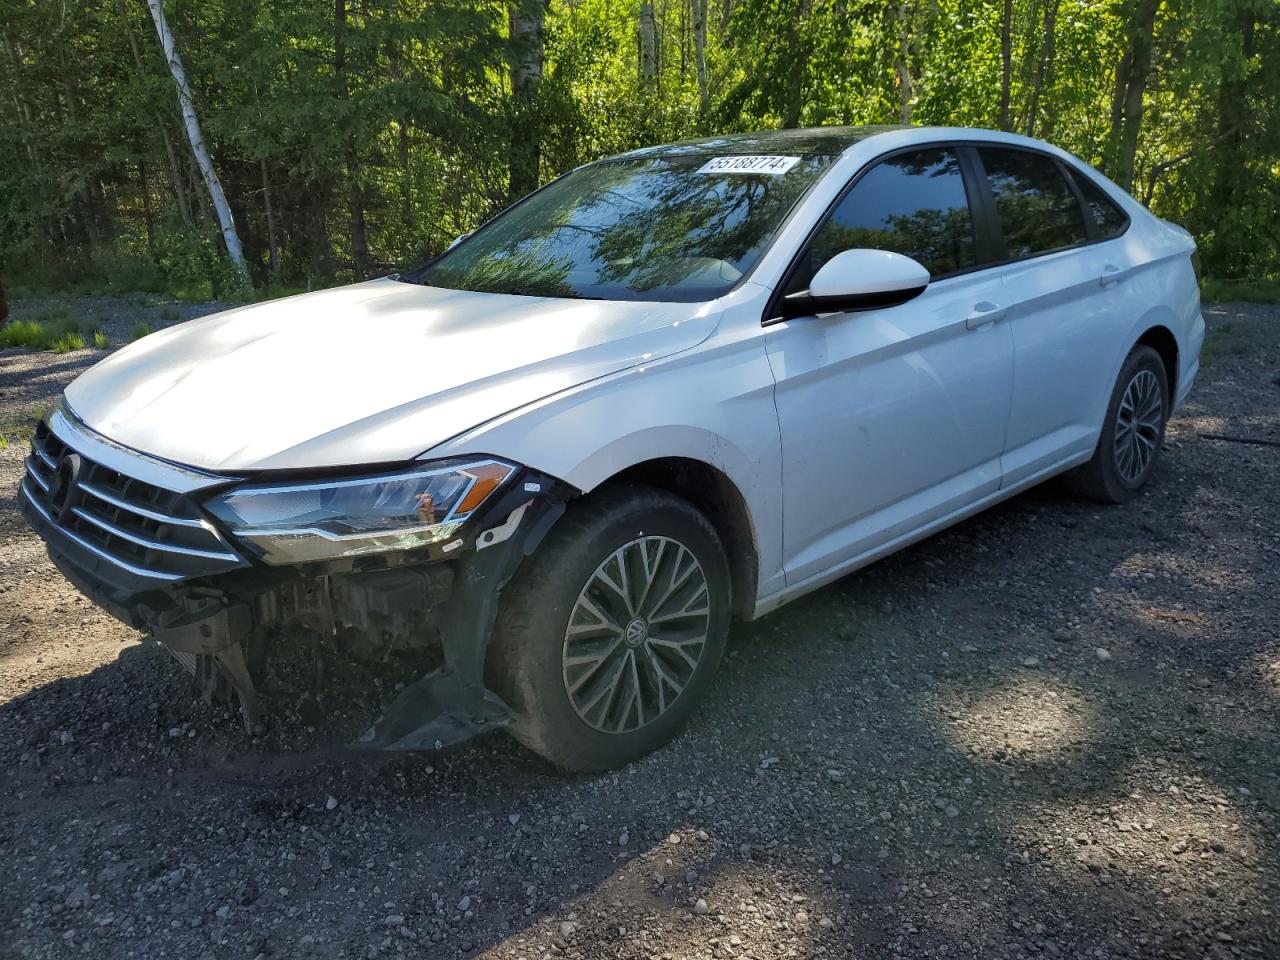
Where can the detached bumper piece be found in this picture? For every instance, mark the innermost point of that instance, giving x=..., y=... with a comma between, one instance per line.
x=128, y=531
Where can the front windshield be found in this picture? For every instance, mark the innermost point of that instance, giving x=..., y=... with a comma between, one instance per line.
x=683, y=228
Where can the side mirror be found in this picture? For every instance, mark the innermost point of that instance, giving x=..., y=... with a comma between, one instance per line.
x=859, y=280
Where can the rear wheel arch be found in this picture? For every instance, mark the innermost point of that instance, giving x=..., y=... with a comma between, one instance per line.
x=1161, y=339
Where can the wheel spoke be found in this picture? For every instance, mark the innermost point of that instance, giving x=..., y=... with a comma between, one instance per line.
x=1138, y=423
x=622, y=672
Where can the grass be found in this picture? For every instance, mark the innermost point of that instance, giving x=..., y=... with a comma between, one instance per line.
x=170, y=314
x=52, y=328
x=139, y=331
x=18, y=430
x=1240, y=291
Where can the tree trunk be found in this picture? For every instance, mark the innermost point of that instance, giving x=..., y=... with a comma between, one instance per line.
x=1043, y=80
x=355, y=192
x=902, y=66
x=1131, y=83
x=526, y=20
x=648, y=44
x=198, y=148
x=1006, y=64
x=145, y=187
x=273, y=249
x=700, y=51
x=179, y=183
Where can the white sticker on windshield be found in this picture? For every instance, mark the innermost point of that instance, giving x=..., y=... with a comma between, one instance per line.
x=770, y=165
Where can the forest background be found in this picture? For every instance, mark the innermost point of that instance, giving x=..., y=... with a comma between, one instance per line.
x=302, y=143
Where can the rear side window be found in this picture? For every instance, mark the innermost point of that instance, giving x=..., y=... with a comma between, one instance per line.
x=1037, y=208
x=912, y=203
x=1109, y=218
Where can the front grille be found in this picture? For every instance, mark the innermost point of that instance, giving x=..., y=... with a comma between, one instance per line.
x=141, y=528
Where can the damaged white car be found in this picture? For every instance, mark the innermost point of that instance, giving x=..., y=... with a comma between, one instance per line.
x=533, y=481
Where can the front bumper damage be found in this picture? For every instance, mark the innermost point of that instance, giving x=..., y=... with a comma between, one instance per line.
x=369, y=616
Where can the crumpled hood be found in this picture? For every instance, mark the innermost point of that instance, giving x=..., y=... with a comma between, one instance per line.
x=370, y=373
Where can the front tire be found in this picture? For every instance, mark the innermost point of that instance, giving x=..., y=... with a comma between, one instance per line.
x=609, y=635
x=1132, y=435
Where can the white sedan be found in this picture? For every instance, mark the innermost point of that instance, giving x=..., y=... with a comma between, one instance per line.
x=533, y=480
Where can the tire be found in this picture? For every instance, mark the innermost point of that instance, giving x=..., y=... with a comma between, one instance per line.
x=1118, y=471
x=535, y=657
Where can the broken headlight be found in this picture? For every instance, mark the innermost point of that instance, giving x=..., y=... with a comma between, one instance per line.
x=302, y=522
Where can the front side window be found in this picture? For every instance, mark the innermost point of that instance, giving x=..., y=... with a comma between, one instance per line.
x=911, y=203
x=1037, y=208
x=677, y=227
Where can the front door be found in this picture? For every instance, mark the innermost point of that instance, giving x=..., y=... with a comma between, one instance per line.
x=895, y=417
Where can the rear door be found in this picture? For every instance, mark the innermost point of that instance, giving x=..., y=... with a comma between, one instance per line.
x=894, y=417
x=1066, y=304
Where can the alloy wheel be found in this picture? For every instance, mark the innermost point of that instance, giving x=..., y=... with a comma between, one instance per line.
x=1138, y=425
x=636, y=634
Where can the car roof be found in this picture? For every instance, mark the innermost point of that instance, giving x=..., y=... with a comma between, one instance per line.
x=828, y=141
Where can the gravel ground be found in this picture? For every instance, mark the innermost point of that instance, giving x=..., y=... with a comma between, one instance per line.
x=1048, y=732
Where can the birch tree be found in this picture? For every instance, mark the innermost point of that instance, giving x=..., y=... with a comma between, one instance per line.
x=198, y=149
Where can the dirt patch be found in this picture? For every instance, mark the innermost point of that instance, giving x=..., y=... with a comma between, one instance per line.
x=1050, y=731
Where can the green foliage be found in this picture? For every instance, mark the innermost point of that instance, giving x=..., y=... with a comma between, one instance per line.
x=53, y=329
x=139, y=331
x=379, y=138
x=1241, y=291
x=101, y=341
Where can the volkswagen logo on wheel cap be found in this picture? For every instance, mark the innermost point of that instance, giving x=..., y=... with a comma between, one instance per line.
x=63, y=486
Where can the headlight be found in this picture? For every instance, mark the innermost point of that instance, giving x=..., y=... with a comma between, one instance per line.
x=300, y=522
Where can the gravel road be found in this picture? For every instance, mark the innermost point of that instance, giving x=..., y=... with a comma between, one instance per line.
x=1051, y=731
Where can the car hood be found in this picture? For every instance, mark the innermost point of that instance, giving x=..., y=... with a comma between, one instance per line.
x=375, y=372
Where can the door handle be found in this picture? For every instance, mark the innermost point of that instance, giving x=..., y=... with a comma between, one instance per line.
x=984, y=314
x=1111, y=275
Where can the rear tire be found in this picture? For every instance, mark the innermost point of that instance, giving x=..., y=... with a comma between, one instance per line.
x=1132, y=433
x=595, y=647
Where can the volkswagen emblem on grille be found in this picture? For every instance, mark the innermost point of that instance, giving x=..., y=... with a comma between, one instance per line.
x=63, y=491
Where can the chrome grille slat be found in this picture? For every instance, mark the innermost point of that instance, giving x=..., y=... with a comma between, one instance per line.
x=43, y=454
x=115, y=531
x=142, y=511
x=140, y=527
x=34, y=474
x=97, y=551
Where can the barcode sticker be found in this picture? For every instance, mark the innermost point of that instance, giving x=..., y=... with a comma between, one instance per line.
x=769, y=165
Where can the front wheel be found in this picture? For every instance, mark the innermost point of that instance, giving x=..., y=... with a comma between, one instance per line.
x=609, y=635
x=1131, y=438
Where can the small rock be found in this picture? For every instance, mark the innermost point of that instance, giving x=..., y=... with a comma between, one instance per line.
x=835, y=859
x=835, y=774
x=826, y=923
x=952, y=811
x=331, y=803
x=700, y=907
x=222, y=912
x=624, y=838
x=464, y=904
x=1031, y=661
x=1103, y=653
x=568, y=929
x=802, y=917
x=394, y=920
x=513, y=818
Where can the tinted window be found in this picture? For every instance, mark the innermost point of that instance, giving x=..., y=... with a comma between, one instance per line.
x=1038, y=210
x=1109, y=218
x=913, y=204
x=660, y=228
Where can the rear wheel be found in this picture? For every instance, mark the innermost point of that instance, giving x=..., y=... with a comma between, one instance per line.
x=609, y=635
x=1131, y=438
